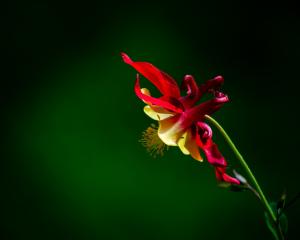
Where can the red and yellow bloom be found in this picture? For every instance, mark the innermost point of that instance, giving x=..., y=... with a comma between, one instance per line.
x=181, y=121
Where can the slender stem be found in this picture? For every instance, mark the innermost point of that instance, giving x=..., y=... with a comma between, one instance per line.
x=246, y=167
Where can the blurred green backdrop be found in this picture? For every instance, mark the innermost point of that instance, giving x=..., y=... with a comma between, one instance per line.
x=73, y=167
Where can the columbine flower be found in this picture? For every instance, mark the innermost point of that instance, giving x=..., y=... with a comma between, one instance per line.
x=181, y=121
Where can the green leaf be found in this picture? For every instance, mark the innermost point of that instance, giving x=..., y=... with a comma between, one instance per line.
x=271, y=226
x=283, y=223
x=281, y=204
x=279, y=228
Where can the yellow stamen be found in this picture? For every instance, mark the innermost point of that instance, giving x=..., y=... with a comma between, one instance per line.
x=151, y=141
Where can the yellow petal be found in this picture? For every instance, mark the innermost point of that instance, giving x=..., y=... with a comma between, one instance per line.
x=146, y=92
x=170, y=130
x=181, y=144
x=188, y=145
x=157, y=113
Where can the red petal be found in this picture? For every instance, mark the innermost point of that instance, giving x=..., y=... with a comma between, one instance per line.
x=213, y=155
x=212, y=84
x=193, y=94
x=204, y=141
x=152, y=100
x=223, y=177
x=164, y=83
x=198, y=112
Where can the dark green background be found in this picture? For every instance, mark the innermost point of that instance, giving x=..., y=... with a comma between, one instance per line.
x=73, y=167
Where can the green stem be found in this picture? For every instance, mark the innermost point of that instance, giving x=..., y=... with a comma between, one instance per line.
x=246, y=167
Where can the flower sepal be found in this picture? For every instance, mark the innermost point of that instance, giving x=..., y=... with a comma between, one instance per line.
x=224, y=184
x=233, y=187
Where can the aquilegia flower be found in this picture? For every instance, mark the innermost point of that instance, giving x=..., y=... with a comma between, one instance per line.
x=181, y=121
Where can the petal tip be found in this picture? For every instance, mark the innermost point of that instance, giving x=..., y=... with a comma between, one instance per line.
x=219, y=80
x=188, y=77
x=126, y=58
x=199, y=159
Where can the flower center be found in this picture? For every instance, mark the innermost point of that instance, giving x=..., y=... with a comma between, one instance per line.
x=151, y=141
